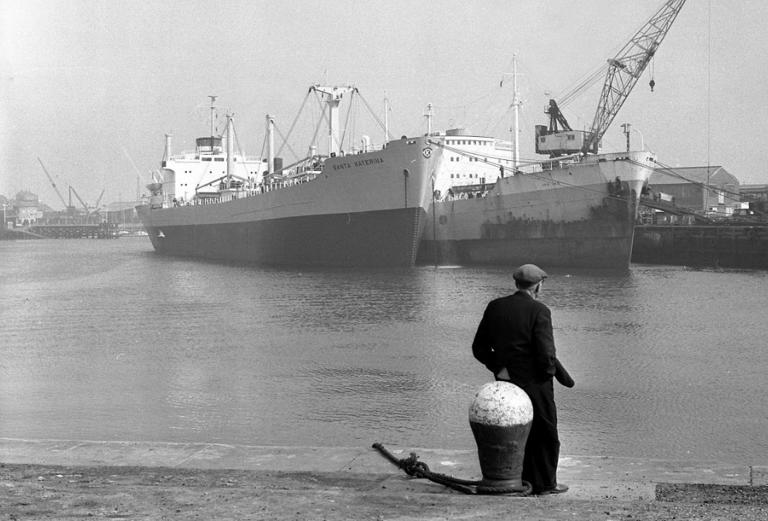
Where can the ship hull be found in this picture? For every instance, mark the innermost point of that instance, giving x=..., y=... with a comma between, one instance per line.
x=361, y=210
x=589, y=244
x=386, y=238
x=574, y=216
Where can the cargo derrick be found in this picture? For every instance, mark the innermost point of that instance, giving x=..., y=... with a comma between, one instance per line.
x=623, y=72
x=69, y=207
x=61, y=197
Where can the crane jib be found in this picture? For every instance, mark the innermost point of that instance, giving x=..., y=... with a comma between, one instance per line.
x=627, y=66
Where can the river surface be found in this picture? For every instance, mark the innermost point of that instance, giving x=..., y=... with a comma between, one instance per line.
x=106, y=340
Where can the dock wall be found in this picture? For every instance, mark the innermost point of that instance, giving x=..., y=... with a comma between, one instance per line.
x=725, y=246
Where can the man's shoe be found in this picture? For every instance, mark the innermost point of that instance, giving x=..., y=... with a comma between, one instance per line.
x=557, y=489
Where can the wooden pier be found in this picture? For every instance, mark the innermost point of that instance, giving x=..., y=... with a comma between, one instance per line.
x=75, y=231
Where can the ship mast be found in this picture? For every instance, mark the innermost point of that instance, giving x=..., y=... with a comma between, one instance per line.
x=428, y=115
x=230, y=147
x=270, y=144
x=516, y=110
x=386, y=118
x=213, y=119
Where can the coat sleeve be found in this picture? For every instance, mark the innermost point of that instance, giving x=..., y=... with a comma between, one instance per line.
x=545, y=342
x=481, y=346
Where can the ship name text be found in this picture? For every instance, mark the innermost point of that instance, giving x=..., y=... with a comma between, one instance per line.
x=358, y=163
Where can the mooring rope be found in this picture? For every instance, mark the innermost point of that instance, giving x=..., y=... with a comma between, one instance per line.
x=413, y=467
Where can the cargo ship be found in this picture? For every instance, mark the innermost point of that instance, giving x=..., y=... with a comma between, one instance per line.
x=439, y=198
x=570, y=212
x=577, y=208
x=365, y=207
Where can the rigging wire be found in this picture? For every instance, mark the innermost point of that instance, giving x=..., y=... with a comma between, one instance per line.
x=497, y=162
x=290, y=130
x=240, y=150
x=263, y=145
x=667, y=169
x=285, y=143
x=346, y=125
x=583, y=85
x=371, y=111
x=313, y=140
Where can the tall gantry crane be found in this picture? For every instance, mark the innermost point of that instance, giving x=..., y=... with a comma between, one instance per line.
x=623, y=72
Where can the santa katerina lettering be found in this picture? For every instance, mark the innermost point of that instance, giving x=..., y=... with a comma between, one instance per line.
x=358, y=163
x=371, y=161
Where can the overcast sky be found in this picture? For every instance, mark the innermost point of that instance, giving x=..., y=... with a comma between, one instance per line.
x=91, y=86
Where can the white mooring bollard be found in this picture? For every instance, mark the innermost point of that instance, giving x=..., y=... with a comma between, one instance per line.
x=500, y=417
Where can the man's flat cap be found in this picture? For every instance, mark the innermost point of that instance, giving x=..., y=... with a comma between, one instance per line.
x=529, y=273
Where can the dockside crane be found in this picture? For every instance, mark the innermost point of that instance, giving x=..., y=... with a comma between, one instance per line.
x=96, y=207
x=623, y=72
x=68, y=205
x=61, y=197
x=85, y=206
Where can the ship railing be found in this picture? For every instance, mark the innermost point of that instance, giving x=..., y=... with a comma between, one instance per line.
x=188, y=155
x=460, y=192
x=465, y=195
x=262, y=188
x=287, y=182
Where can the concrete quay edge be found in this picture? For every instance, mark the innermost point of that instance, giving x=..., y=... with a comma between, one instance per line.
x=590, y=477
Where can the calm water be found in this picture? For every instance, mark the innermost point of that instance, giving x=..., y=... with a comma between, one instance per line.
x=105, y=340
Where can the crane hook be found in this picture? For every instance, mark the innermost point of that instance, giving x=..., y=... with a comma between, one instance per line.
x=652, y=83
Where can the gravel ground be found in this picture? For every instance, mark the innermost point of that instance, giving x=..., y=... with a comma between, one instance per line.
x=145, y=493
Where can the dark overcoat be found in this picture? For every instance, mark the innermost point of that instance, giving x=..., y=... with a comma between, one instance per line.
x=516, y=332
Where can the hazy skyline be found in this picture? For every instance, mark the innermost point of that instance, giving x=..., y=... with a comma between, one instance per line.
x=91, y=87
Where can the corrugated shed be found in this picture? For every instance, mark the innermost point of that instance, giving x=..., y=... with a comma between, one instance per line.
x=712, y=175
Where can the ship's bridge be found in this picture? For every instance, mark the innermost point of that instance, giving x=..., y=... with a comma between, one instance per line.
x=209, y=145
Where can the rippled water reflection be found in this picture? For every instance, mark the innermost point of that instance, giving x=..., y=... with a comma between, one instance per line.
x=104, y=340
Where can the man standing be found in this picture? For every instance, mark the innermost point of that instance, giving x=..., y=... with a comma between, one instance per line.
x=514, y=340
